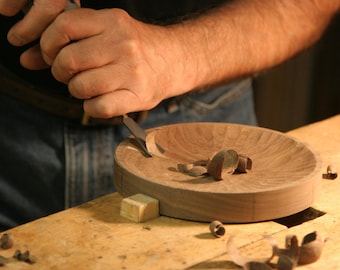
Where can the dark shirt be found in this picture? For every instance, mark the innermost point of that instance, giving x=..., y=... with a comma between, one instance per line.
x=150, y=11
x=156, y=11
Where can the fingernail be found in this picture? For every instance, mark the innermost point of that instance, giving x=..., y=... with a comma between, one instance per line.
x=46, y=59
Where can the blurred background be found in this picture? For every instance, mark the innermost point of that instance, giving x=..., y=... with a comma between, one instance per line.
x=303, y=90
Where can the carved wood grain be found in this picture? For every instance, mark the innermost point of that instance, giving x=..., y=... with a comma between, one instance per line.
x=285, y=176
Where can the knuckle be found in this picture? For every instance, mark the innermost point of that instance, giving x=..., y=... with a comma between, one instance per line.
x=63, y=22
x=64, y=66
x=132, y=47
x=67, y=61
x=84, y=88
x=120, y=16
x=51, y=8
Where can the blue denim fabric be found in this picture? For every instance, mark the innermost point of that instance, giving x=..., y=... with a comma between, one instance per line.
x=232, y=103
x=49, y=163
x=31, y=163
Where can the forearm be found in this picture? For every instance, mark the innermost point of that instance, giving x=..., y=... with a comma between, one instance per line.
x=247, y=36
x=118, y=64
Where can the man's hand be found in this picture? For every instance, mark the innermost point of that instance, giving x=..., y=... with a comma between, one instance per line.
x=30, y=28
x=119, y=65
x=113, y=62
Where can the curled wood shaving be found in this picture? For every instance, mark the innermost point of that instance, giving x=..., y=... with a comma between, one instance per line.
x=244, y=164
x=219, y=166
x=154, y=148
x=331, y=172
x=216, y=228
x=197, y=171
x=184, y=168
x=6, y=241
x=287, y=258
x=285, y=263
x=311, y=248
x=244, y=261
x=223, y=163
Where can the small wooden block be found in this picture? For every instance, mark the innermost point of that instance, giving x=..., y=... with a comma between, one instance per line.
x=139, y=208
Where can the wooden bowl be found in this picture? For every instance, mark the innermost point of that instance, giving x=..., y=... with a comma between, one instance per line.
x=285, y=177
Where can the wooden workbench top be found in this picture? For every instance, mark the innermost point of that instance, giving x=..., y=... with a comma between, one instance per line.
x=95, y=236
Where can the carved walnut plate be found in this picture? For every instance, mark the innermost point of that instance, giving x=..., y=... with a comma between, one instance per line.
x=285, y=177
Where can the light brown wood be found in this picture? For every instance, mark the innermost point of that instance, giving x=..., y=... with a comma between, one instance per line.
x=285, y=176
x=95, y=236
x=139, y=208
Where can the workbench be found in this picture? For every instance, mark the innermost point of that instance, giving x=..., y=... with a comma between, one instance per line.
x=95, y=236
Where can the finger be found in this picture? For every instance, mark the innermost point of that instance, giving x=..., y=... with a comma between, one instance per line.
x=42, y=13
x=112, y=104
x=32, y=59
x=10, y=7
x=111, y=90
x=99, y=81
x=80, y=56
x=72, y=26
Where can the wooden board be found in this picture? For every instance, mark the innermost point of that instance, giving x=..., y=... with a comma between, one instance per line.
x=284, y=180
x=95, y=236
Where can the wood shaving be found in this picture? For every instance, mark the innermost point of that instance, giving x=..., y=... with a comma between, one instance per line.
x=286, y=259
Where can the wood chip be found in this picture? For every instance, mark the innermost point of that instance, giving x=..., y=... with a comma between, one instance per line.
x=311, y=248
x=184, y=168
x=287, y=258
x=223, y=163
x=216, y=228
x=244, y=164
x=197, y=171
x=6, y=241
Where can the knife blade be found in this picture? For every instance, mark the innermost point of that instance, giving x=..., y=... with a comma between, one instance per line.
x=137, y=132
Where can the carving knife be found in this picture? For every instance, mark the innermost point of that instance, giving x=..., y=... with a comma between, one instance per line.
x=137, y=132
